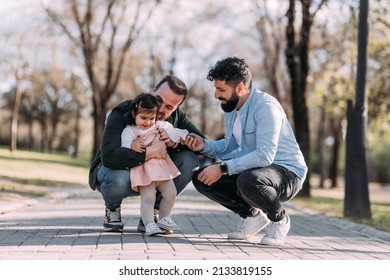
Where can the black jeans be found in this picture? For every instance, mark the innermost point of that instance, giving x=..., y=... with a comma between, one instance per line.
x=263, y=188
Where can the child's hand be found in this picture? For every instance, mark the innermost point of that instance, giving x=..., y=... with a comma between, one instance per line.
x=138, y=146
x=164, y=137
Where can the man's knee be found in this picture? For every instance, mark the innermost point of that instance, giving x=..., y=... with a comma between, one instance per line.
x=121, y=179
x=246, y=183
x=114, y=180
x=186, y=162
x=195, y=180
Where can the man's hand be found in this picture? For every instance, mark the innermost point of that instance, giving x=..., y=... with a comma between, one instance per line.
x=156, y=150
x=210, y=174
x=194, y=142
x=138, y=146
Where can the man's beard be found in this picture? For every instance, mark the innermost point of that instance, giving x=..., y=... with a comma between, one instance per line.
x=230, y=104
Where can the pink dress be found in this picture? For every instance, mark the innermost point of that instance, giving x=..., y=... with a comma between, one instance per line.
x=153, y=169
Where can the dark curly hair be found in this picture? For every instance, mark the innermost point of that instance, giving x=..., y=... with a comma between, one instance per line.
x=232, y=70
x=142, y=103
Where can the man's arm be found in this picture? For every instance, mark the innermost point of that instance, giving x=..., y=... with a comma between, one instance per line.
x=268, y=126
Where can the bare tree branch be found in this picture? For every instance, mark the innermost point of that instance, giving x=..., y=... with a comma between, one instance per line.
x=319, y=7
x=55, y=18
x=384, y=22
x=134, y=33
x=107, y=16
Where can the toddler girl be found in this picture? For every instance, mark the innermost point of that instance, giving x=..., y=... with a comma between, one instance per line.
x=154, y=174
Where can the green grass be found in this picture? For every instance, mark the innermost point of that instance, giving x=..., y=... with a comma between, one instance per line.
x=334, y=207
x=43, y=169
x=22, y=191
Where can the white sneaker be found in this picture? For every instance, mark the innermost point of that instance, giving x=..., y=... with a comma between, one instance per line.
x=152, y=229
x=276, y=232
x=249, y=226
x=167, y=223
x=141, y=226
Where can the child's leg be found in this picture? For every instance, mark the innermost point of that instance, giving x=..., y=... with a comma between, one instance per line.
x=168, y=193
x=148, y=197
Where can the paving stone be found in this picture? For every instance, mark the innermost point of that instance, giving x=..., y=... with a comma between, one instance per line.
x=69, y=227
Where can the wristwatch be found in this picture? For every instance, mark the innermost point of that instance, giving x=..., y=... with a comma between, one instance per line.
x=223, y=167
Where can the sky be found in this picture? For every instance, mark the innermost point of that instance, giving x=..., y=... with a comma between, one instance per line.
x=25, y=16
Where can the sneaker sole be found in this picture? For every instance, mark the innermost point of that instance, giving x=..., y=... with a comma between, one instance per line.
x=246, y=237
x=166, y=227
x=110, y=228
x=114, y=229
x=167, y=232
x=153, y=234
x=271, y=242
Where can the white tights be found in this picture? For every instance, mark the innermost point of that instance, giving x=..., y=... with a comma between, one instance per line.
x=148, y=198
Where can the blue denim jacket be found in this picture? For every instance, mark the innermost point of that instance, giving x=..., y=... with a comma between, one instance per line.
x=267, y=138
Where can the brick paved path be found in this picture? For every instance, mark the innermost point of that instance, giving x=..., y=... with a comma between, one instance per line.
x=69, y=228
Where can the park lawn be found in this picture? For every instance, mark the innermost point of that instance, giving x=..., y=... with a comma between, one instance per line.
x=43, y=169
x=334, y=207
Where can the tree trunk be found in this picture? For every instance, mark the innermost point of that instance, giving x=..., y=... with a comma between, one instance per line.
x=99, y=117
x=205, y=104
x=31, y=142
x=334, y=162
x=76, y=138
x=321, y=149
x=44, y=134
x=51, y=135
x=297, y=62
x=15, y=113
x=357, y=201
